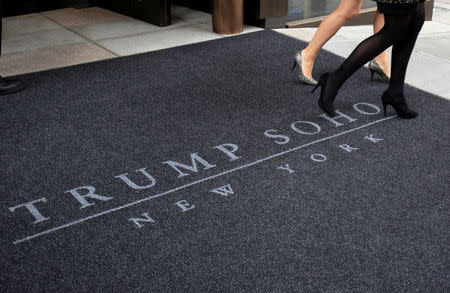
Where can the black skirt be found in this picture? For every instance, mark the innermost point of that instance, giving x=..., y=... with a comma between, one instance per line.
x=396, y=9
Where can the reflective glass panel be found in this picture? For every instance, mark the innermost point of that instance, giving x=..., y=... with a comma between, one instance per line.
x=304, y=9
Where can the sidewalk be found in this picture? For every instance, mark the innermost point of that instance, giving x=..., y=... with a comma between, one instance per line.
x=429, y=68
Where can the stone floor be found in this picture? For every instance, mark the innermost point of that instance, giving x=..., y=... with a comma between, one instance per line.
x=42, y=41
x=65, y=37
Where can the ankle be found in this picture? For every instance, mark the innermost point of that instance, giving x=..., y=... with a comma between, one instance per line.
x=336, y=79
x=395, y=91
x=308, y=56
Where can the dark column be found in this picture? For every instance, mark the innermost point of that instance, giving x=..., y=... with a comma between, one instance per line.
x=1, y=31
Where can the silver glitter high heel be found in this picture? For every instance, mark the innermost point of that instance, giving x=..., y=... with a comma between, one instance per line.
x=375, y=68
x=301, y=76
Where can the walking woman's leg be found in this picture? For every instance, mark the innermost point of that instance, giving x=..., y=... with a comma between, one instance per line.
x=401, y=51
x=382, y=59
x=347, y=10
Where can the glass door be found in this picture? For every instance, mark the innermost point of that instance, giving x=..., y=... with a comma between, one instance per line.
x=306, y=9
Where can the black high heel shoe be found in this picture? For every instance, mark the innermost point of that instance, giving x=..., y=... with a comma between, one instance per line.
x=398, y=102
x=326, y=101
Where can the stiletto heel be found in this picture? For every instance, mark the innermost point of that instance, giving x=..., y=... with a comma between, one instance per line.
x=398, y=102
x=326, y=98
x=315, y=87
x=301, y=75
x=374, y=67
x=372, y=73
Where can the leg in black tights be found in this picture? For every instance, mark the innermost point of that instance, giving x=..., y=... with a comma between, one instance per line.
x=401, y=51
x=399, y=30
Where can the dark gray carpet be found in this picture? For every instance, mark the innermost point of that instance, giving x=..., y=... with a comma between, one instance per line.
x=373, y=217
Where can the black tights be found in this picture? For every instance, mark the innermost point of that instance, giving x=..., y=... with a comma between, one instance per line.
x=400, y=32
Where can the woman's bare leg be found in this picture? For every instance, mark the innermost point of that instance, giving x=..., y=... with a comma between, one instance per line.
x=382, y=59
x=347, y=10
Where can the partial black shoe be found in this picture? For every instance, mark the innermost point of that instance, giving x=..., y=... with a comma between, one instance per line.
x=398, y=102
x=10, y=85
x=328, y=93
